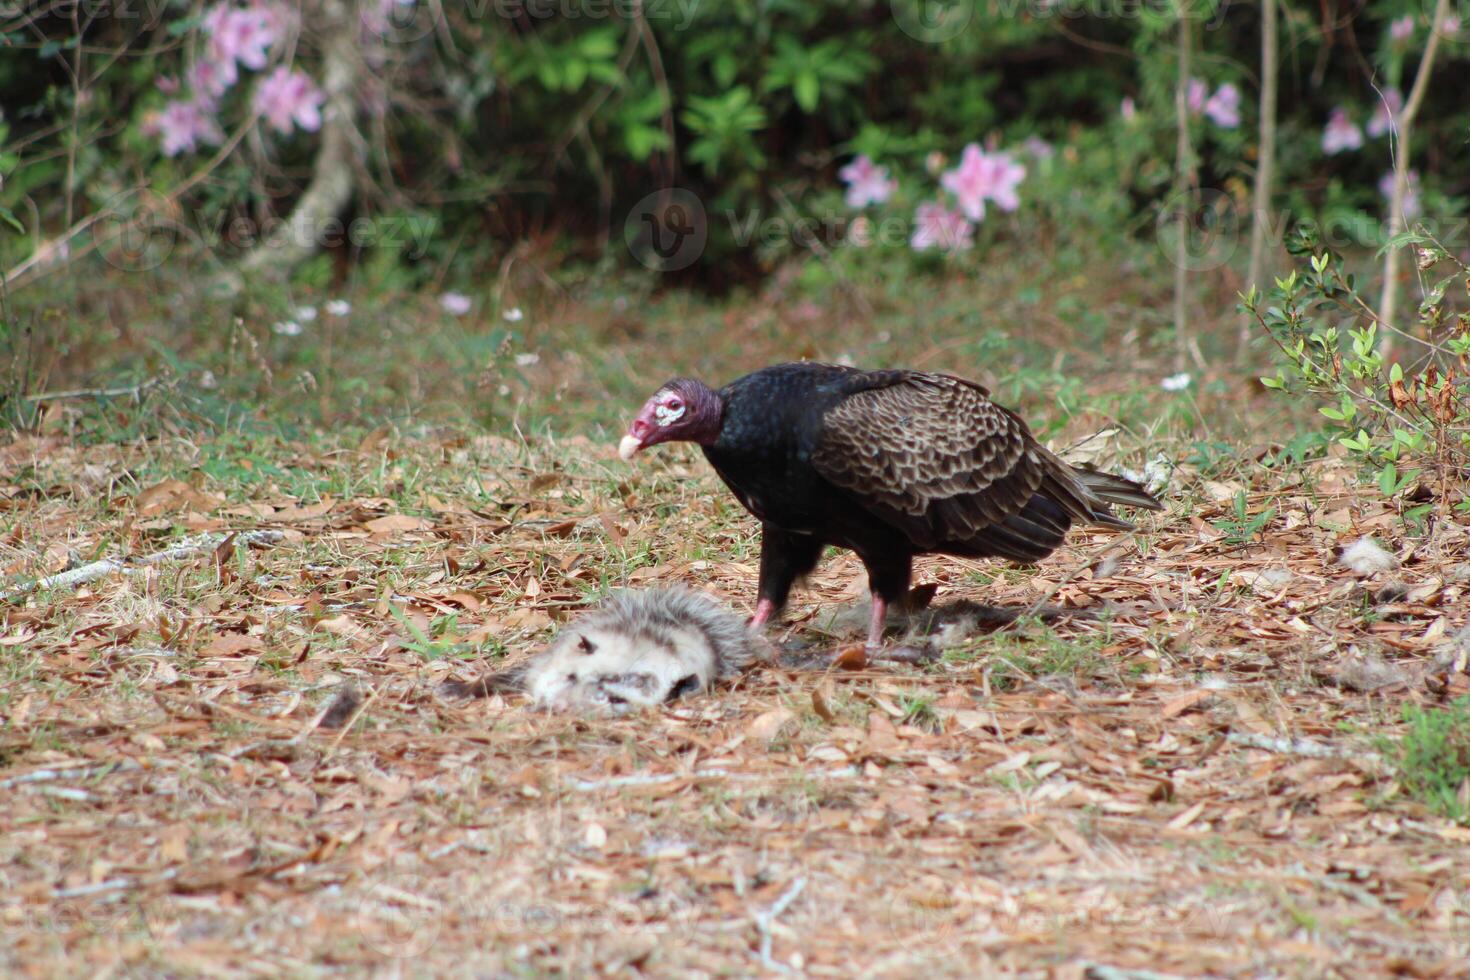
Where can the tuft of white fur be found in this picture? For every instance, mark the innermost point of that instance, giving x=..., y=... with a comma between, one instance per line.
x=1366, y=557
x=641, y=649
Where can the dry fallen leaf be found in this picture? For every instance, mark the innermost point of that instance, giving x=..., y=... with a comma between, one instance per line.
x=396, y=524
x=1184, y=702
x=768, y=725
x=173, y=495
x=820, y=702
x=232, y=645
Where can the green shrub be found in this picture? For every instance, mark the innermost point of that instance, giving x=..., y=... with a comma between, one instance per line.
x=1405, y=419
x=1433, y=757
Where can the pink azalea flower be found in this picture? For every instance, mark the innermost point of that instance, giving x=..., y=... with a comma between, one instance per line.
x=1451, y=26
x=285, y=97
x=1128, y=109
x=1389, y=106
x=1401, y=29
x=276, y=17
x=982, y=175
x=167, y=84
x=213, y=77
x=243, y=35
x=1195, y=94
x=867, y=183
x=215, y=17
x=1340, y=133
x=936, y=226
x=182, y=126
x=1224, y=106
x=1411, y=193
x=380, y=19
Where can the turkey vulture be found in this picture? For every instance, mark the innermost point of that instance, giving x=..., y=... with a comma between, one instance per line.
x=891, y=464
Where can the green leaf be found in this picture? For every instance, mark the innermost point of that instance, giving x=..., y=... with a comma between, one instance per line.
x=605, y=72
x=1388, y=480
x=807, y=90
x=1436, y=292
x=575, y=73
x=1408, y=237
x=598, y=45
x=183, y=25
x=549, y=74
x=8, y=216
x=725, y=68
x=641, y=140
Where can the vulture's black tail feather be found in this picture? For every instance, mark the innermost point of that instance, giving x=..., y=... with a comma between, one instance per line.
x=1113, y=489
x=1028, y=536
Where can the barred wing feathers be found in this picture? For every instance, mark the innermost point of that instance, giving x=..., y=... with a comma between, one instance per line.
x=933, y=456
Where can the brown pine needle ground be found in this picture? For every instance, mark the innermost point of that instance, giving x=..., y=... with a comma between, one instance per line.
x=1195, y=777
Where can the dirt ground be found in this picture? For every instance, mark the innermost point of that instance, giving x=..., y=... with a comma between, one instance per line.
x=1187, y=769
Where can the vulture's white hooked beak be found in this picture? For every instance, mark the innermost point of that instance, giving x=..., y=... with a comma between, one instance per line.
x=639, y=432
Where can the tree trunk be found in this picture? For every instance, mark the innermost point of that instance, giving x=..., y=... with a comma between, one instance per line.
x=1399, y=133
x=1184, y=182
x=333, y=178
x=1261, y=221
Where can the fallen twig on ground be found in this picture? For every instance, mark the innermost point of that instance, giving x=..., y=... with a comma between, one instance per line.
x=1298, y=746
x=659, y=779
x=764, y=920
x=109, y=566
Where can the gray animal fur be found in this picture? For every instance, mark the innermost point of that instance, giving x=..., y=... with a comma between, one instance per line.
x=638, y=649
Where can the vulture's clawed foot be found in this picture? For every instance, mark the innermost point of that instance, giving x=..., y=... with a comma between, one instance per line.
x=902, y=653
x=856, y=656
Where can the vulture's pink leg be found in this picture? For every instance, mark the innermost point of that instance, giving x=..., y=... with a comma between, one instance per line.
x=764, y=610
x=875, y=626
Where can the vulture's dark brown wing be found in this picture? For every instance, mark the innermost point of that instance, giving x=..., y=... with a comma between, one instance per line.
x=932, y=455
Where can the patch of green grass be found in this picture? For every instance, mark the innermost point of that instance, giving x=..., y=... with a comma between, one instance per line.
x=1034, y=650
x=1242, y=527
x=439, y=641
x=1433, y=757
x=918, y=711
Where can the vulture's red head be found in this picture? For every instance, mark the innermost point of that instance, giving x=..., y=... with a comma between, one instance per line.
x=684, y=410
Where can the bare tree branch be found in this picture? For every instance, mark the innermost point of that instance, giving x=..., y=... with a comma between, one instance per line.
x=1184, y=183
x=1265, y=164
x=1400, y=130
x=334, y=176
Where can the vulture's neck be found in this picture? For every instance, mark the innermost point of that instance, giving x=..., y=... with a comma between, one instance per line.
x=708, y=408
